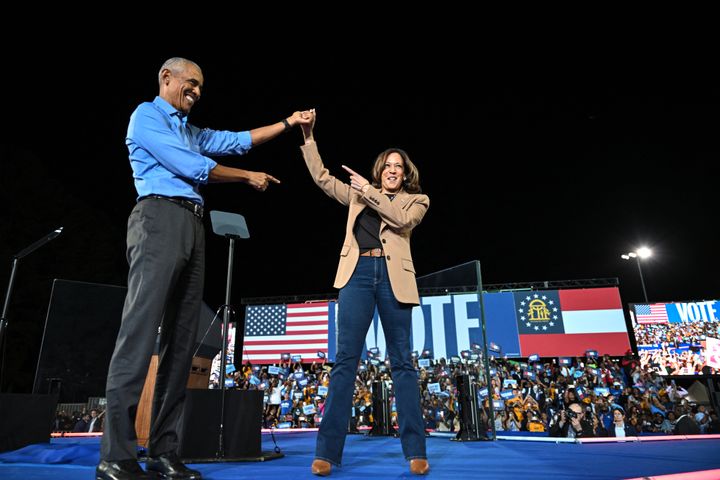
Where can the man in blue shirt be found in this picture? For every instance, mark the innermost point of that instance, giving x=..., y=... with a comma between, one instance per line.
x=166, y=253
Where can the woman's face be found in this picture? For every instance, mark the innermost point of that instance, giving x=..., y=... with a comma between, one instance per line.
x=617, y=416
x=393, y=173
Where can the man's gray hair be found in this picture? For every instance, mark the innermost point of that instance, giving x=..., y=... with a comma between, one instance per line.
x=176, y=65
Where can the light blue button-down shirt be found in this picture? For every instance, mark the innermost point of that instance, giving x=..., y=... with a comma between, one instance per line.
x=168, y=155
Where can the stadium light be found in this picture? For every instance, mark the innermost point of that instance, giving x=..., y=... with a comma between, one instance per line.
x=642, y=252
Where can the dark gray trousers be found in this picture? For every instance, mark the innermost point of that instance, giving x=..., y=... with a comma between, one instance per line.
x=166, y=253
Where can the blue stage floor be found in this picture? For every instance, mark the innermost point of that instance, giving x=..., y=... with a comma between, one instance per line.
x=381, y=458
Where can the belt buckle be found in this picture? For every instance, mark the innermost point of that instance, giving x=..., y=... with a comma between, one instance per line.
x=197, y=209
x=376, y=252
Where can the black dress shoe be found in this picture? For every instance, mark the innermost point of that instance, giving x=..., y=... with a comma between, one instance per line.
x=170, y=466
x=120, y=470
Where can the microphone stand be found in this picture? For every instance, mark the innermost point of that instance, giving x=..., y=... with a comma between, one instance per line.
x=227, y=313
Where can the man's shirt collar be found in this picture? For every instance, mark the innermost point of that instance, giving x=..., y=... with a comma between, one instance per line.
x=170, y=110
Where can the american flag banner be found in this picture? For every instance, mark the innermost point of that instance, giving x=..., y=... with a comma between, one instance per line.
x=297, y=328
x=653, y=313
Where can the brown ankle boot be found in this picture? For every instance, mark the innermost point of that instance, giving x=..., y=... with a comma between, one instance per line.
x=321, y=467
x=419, y=466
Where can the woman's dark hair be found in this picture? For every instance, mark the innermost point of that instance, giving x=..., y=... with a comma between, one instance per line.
x=411, y=181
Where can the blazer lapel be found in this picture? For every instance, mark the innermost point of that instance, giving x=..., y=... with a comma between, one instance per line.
x=403, y=197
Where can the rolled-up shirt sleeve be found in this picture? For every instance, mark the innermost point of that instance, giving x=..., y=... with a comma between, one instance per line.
x=220, y=142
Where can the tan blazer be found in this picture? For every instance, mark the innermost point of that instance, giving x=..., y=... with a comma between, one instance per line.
x=397, y=219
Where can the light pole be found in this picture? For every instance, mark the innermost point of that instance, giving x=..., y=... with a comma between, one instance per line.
x=642, y=252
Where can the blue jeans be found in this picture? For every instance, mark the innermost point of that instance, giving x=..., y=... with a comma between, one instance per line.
x=370, y=286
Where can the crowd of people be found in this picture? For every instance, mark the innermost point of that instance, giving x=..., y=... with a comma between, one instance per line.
x=676, y=348
x=599, y=396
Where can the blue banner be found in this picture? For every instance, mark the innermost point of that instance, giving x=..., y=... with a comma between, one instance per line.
x=506, y=394
x=707, y=311
x=448, y=324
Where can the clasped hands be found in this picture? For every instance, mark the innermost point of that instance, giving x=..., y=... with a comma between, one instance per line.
x=261, y=180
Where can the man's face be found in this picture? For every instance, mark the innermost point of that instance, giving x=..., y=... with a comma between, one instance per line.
x=578, y=411
x=182, y=89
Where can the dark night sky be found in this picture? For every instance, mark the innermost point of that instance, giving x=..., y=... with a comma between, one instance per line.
x=541, y=174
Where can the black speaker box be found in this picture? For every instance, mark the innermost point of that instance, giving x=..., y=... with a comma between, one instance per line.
x=26, y=419
x=200, y=426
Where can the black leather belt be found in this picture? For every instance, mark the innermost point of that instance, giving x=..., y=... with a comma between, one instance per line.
x=195, y=208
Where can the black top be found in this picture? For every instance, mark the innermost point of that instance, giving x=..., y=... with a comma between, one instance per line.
x=367, y=228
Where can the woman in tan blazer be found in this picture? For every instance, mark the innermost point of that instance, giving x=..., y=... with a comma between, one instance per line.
x=375, y=270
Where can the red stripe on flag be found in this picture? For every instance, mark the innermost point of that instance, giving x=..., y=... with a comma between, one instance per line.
x=561, y=344
x=307, y=332
x=293, y=314
x=309, y=322
x=283, y=342
x=590, y=299
x=316, y=305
